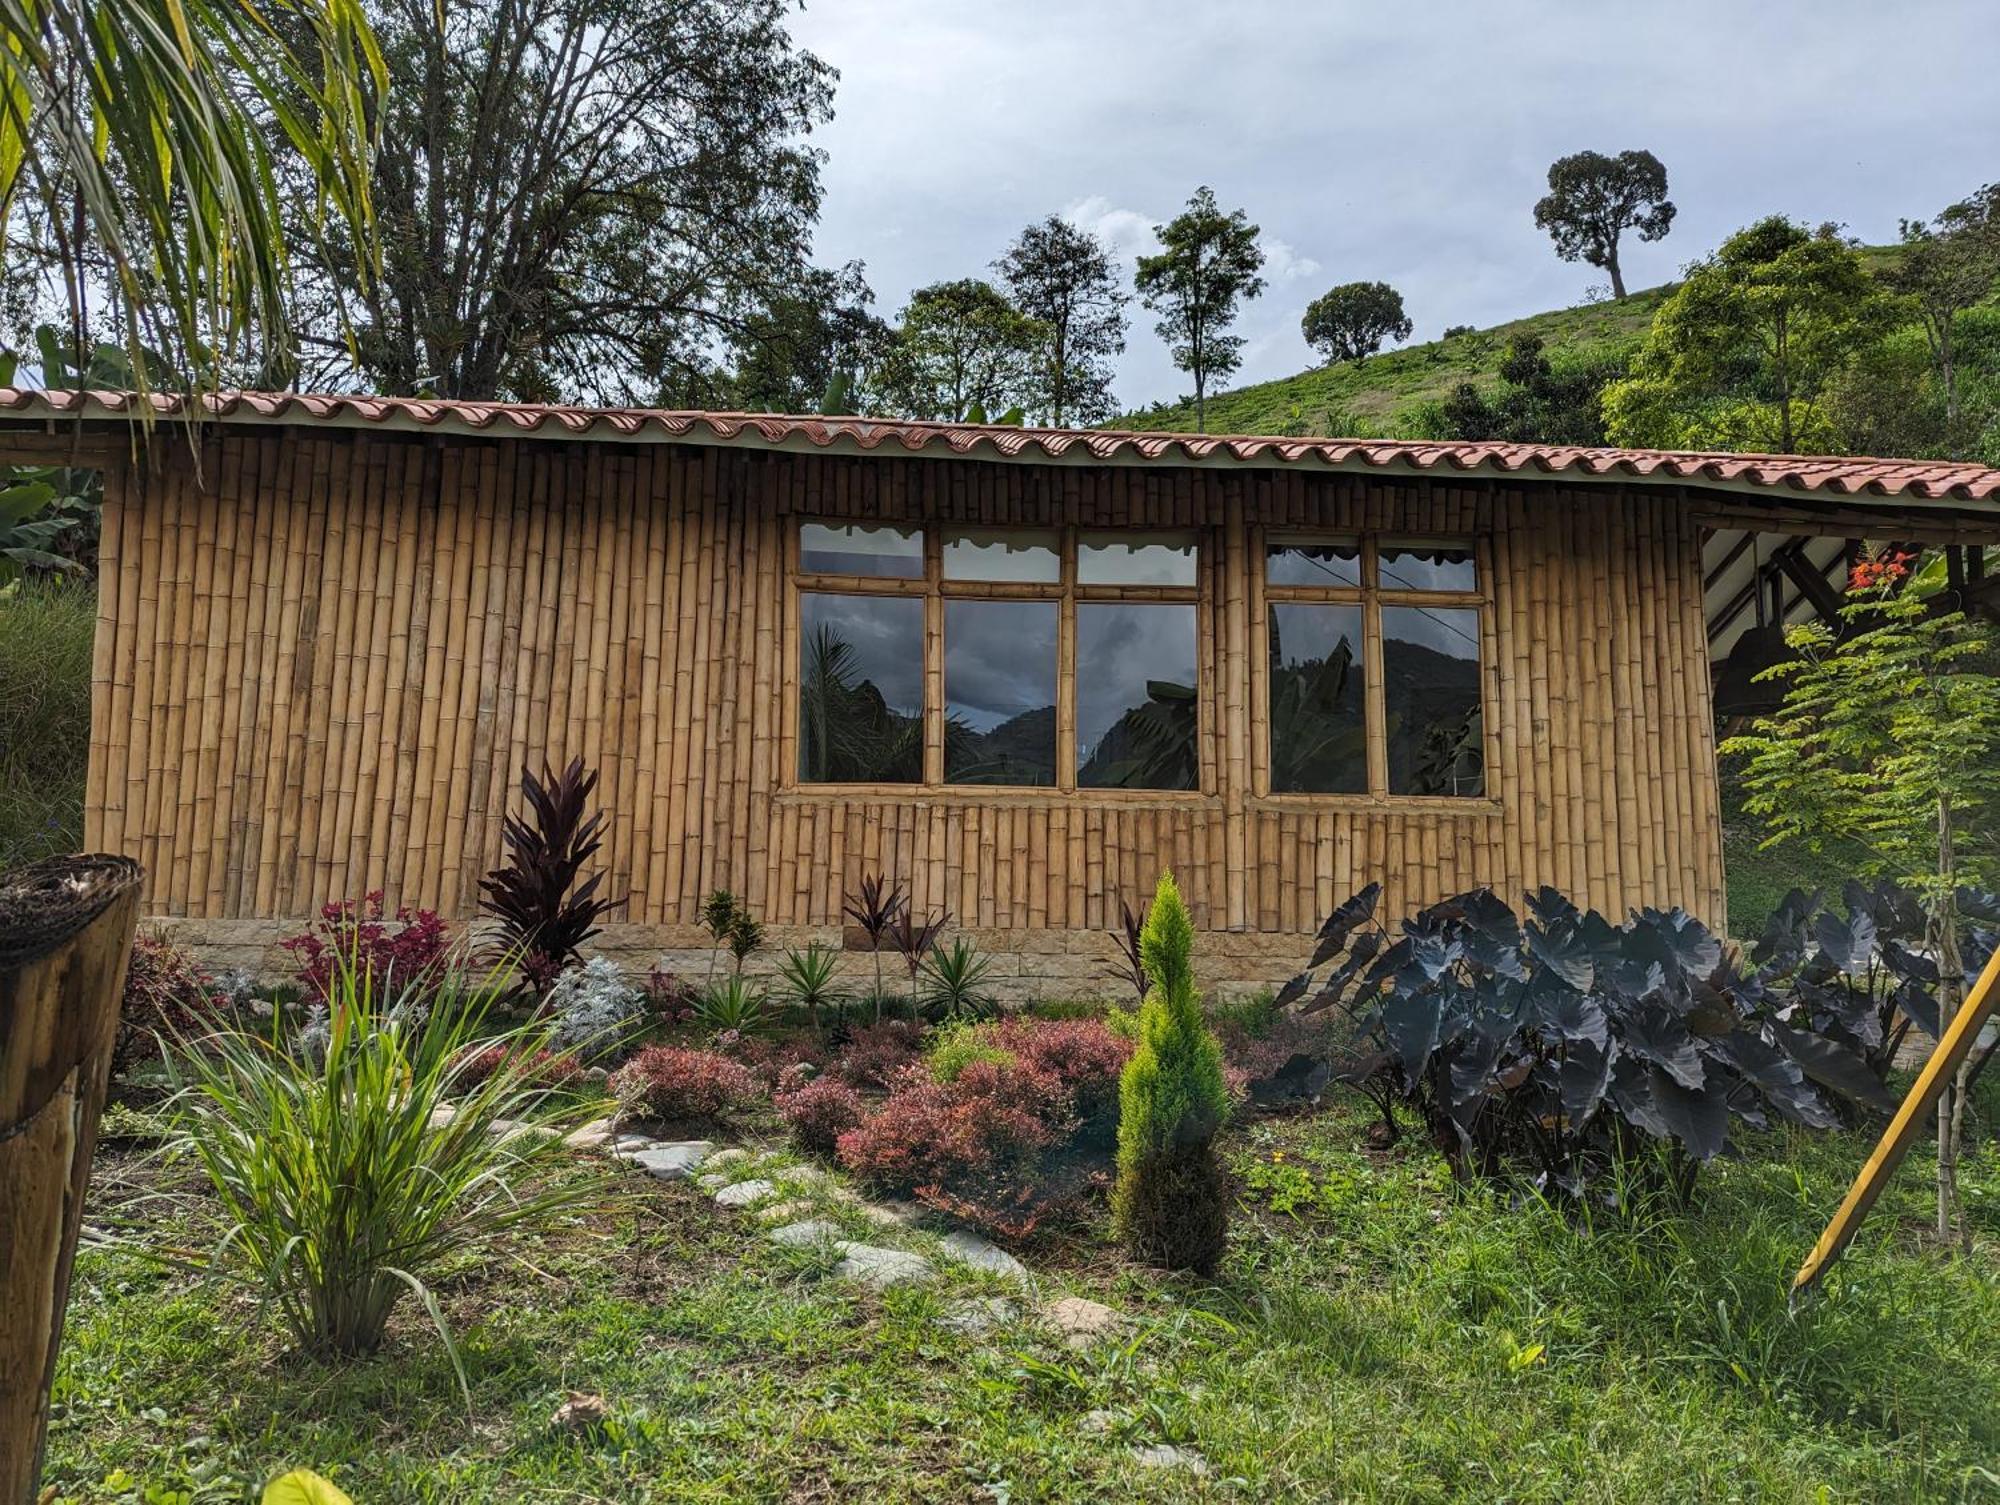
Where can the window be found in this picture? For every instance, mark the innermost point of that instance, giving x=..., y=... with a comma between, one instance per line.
x=1374, y=684
x=1021, y=657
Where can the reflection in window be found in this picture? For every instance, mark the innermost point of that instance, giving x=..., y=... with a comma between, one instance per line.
x=1129, y=557
x=861, y=549
x=1330, y=564
x=861, y=689
x=1430, y=684
x=1427, y=567
x=1003, y=554
x=1319, y=724
x=1000, y=692
x=1135, y=696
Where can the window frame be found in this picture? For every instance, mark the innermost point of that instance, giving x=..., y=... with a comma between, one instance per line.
x=1371, y=596
x=935, y=590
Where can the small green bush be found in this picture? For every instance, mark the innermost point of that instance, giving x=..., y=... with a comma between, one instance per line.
x=1171, y=1203
x=46, y=627
x=953, y=1047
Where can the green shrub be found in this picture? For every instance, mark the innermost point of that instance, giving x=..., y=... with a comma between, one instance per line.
x=955, y=1046
x=1171, y=1203
x=350, y=1172
x=46, y=627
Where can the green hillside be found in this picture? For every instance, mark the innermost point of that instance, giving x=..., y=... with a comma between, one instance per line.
x=1387, y=396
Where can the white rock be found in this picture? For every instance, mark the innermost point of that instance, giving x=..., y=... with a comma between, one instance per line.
x=668, y=1162
x=745, y=1194
x=785, y=1212
x=1166, y=1455
x=1081, y=1320
x=803, y=1235
x=892, y=1214
x=723, y=1159
x=591, y=1136
x=969, y=1248
x=979, y=1315
x=713, y=1181
x=881, y=1268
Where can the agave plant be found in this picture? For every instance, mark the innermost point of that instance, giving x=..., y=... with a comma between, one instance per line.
x=731, y=1005
x=954, y=980
x=808, y=978
x=914, y=940
x=545, y=907
x=875, y=907
x=350, y=1173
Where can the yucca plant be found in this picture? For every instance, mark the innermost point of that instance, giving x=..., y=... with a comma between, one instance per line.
x=875, y=907
x=351, y=1171
x=954, y=979
x=731, y=1005
x=808, y=979
x=546, y=908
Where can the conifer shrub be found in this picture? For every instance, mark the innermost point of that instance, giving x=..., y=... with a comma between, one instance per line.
x=1171, y=1200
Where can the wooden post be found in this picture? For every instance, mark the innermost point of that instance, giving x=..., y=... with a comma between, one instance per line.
x=65, y=940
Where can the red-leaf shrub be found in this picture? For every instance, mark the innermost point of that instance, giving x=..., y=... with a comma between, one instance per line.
x=166, y=993
x=769, y=1060
x=394, y=953
x=819, y=1112
x=549, y=1068
x=1082, y=1054
x=877, y=1053
x=683, y=1086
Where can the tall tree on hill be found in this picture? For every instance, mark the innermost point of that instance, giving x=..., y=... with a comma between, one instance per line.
x=584, y=198
x=1208, y=263
x=1947, y=266
x=1350, y=322
x=1593, y=199
x=962, y=351
x=1742, y=352
x=1062, y=277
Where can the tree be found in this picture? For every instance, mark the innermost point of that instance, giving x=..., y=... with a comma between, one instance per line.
x=1171, y=1201
x=1350, y=322
x=585, y=198
x=144, y=138
x=1888, y=741
x=1594, y=199
x=1061, y=277
x=1209, y=261
x=1534, y=403
x=809, y=346
x=1947, y=266
x=1742, y=352
x=961, y=351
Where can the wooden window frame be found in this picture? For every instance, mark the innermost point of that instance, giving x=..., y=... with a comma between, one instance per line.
x=1371, y=596
x=1068, y=591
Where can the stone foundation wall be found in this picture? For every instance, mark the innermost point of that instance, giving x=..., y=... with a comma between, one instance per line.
x=1026, y=965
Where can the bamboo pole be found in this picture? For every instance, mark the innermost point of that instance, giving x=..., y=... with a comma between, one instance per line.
x=65, y=941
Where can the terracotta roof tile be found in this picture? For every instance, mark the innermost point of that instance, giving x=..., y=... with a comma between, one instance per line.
x=1826, y=475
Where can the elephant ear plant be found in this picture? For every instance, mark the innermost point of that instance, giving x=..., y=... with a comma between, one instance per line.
x=1564, y=1046
x=349, y=1174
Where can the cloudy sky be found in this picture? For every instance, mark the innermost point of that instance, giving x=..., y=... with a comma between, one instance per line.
x=1402, y=142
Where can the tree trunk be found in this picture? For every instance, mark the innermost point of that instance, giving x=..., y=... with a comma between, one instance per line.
x=65, y=940
x=1617, y=277
x=1951, y=991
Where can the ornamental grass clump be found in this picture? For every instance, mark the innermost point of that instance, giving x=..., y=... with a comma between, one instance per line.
x=1171, y=1201
x=349, y=1175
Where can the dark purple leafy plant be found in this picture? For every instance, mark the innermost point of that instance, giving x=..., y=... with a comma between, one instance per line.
x=875, y=907
x=545, y=907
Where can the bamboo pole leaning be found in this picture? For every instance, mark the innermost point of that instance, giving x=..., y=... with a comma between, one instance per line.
x=65, y=940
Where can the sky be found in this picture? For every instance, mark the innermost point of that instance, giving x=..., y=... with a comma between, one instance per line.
x=1401, y=142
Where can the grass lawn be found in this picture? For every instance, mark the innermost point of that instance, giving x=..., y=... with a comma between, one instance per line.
x=1375, y=1334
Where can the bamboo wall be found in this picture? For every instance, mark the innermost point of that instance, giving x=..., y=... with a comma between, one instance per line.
x=321, y=666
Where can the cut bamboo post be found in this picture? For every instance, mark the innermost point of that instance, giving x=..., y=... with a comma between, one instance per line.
x=65, y=940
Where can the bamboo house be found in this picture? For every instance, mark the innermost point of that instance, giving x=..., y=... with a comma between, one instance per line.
x=1019, y=670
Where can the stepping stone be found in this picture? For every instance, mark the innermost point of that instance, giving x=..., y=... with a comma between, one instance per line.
x=721, y=1160
x=978, y=1316
x=745, y=1194
x=970, y=1249
x=804, y=1235
x=1097, y=1423
x=802, y=1175
x=592, y=1136
x=784, y=1212
x=892, y=1214
x=442, y=1115
x=1166, y=1455
x=669, y=1162
x=713, y=1181
x=882, y=1268
x=1082, y=1321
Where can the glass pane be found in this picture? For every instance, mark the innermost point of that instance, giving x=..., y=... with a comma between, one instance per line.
x=1430, y=684
x=1319, y=721
x=1000, y=692
x=1313, y=564
x=861, y=549
x=861, y=689
x=1131, y=558
x=1135, y=696
x=1428, y=567
x=1002, y=554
